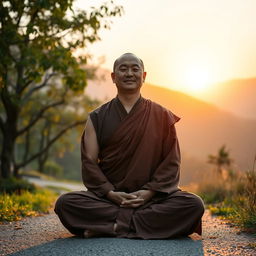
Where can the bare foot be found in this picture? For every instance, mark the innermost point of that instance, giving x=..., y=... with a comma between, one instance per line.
x=90, y=233
x=115, y=227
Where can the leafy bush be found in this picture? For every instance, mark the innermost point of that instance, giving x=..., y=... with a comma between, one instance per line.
x=13, y=185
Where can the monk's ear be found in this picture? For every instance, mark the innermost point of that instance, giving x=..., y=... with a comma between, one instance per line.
x=144, y=76
x=113, y=77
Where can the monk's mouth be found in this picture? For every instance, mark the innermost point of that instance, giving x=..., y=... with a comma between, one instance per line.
x=129, y=81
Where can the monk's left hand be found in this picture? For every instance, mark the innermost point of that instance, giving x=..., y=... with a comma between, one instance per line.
x=146, y=195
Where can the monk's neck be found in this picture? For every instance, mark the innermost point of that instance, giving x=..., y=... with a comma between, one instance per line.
x=129, y=100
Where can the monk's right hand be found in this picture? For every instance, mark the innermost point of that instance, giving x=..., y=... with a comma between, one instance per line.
x=120, y=198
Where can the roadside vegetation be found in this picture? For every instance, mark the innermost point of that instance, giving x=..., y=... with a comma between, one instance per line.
x=19, y=199
x=230, y=194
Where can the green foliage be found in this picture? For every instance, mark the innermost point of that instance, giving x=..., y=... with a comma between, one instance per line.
x=42, y=79
x=13, y=207
x=13, y=185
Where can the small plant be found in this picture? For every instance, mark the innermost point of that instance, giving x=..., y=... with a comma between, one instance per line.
x=221, y=159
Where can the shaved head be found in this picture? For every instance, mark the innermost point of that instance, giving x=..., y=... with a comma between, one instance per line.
x=117, y=61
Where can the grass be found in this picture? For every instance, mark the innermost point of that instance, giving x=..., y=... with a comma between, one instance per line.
x=233, y=197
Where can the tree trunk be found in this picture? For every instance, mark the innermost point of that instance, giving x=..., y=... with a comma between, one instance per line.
x=41, y=163
x=9, y=131
x=7, y=154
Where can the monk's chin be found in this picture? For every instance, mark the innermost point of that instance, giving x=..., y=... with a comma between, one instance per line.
x=128, y=90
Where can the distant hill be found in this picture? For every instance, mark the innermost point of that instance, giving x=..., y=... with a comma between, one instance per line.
x=237, y=96
x=202, y=130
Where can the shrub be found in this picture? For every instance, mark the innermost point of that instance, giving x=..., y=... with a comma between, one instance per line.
x=13, y=185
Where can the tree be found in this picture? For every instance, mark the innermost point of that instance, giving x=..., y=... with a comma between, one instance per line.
x=38, y=69
x=45, y=139
x=221, y=159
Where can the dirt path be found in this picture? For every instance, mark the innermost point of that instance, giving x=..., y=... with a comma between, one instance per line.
x=44, y=235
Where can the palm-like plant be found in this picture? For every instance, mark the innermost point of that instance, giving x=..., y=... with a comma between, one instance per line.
x=221, y=159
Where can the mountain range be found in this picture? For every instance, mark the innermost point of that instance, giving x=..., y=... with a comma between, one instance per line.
x=237, y=96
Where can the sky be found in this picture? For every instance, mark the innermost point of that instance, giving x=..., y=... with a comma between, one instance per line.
x=186, y=45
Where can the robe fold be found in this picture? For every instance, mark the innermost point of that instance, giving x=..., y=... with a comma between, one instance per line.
x=139, y=150
x=142, y=151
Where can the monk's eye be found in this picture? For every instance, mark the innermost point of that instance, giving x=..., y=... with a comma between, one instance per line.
x=123, y=69
x=135, y=69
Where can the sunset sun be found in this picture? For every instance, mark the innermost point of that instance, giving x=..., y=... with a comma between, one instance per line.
x=197, y=79
x=196, y=72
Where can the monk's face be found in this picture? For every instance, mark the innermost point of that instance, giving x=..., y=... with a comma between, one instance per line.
x=128, y=74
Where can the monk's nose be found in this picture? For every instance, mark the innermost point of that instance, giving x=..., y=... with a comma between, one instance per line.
x=129, y=72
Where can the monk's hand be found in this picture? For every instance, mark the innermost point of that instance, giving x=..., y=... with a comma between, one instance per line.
x=144, y=194
x=121, y=198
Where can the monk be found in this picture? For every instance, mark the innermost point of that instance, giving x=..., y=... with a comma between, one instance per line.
x=131, y=168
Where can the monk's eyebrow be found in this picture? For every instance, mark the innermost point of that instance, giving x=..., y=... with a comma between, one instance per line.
x=126, y=65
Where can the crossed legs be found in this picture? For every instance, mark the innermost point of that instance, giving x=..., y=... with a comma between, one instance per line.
x=87, y=216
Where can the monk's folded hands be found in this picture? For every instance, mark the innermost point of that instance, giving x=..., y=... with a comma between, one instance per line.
x=144, y=194
x=132, y=203
x=122, y=198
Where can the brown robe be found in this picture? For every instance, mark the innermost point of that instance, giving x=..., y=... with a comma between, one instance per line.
x=138, y=150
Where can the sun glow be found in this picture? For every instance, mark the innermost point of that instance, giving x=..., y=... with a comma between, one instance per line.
x=196, y=72
x=197, y=79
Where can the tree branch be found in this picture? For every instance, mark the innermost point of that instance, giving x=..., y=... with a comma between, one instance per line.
x=38, y=116
x=46, y=148
x=26, y=84
x=38, y=87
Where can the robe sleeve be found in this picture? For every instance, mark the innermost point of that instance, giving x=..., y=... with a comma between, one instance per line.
x=93, y=177
x=166, y=176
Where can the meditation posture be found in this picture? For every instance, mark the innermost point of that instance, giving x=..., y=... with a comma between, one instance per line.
x=131, y=168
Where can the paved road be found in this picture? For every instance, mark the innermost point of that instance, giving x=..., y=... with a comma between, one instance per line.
x=118, y=247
